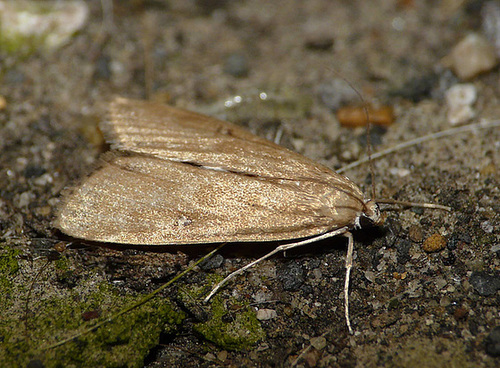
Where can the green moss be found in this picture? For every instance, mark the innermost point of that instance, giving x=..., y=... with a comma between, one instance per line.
x=240, y=331
x=124, y=342
x=9, y=266
x=8, y=261
x=62, y=264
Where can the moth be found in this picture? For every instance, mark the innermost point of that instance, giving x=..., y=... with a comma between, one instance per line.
x=178, y=177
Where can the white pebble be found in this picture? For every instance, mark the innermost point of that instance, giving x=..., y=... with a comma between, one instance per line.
x=487, y=227
x=472, y=56
x=318, y=343
x=266, y=314
x=399, y=172
x=460, y=100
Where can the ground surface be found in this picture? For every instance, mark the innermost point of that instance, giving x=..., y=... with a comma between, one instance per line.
x=409, y=308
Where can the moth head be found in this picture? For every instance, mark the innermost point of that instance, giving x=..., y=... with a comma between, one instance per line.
x=370, y=215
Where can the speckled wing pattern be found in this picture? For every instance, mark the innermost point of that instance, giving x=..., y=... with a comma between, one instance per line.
x=178, y=177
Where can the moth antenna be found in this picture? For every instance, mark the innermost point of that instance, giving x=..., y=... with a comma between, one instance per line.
x=281, y=248
x=368, y=143
x=432, y=136
x=414, y=204
x=368, y=130
x=148, y=23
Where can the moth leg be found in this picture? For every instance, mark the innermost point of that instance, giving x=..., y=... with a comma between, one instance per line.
x=284, y=247
x=348, y=266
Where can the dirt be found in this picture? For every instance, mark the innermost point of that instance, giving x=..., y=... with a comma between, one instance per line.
x=408, y=307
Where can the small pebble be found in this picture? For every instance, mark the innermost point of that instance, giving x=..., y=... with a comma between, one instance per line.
x=212, y=262
x=415, y=233
x=44, y=179
x=473, y=55
x=403, y=247
x=485, y=284
x=25, y=199
x=292, y=276
x=266, y=314
x=399, y=172
x=460, y=100
x=370, y=276
x=487, y=227
x=209, y=357
x=440, y=283
x=434, y=243
x=445, y=301
x=318, y=343
x=222, y=355
x=356, y=116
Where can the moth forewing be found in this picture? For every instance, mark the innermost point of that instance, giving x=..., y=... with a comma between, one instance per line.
x=133, y=199
x=178, y=135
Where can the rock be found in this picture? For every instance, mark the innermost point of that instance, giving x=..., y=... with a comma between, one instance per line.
x=460, y=100
x=434, y=243
x=485, y=284
x=266, y=314
x=471, y=56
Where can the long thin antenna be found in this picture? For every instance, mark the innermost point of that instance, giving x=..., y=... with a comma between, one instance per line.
x=368, y=131
x=414, y=204
x=445, y=133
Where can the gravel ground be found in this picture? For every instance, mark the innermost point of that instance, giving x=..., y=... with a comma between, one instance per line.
x=409, y=307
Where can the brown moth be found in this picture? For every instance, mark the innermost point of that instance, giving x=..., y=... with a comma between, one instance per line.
x=178, y=177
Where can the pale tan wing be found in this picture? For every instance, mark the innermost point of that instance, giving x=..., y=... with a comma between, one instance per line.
x=174, y=134
x=137, y=199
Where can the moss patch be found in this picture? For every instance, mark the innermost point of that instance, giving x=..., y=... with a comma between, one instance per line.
x=238, y=330
x=123, y=342
x=9, y=266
